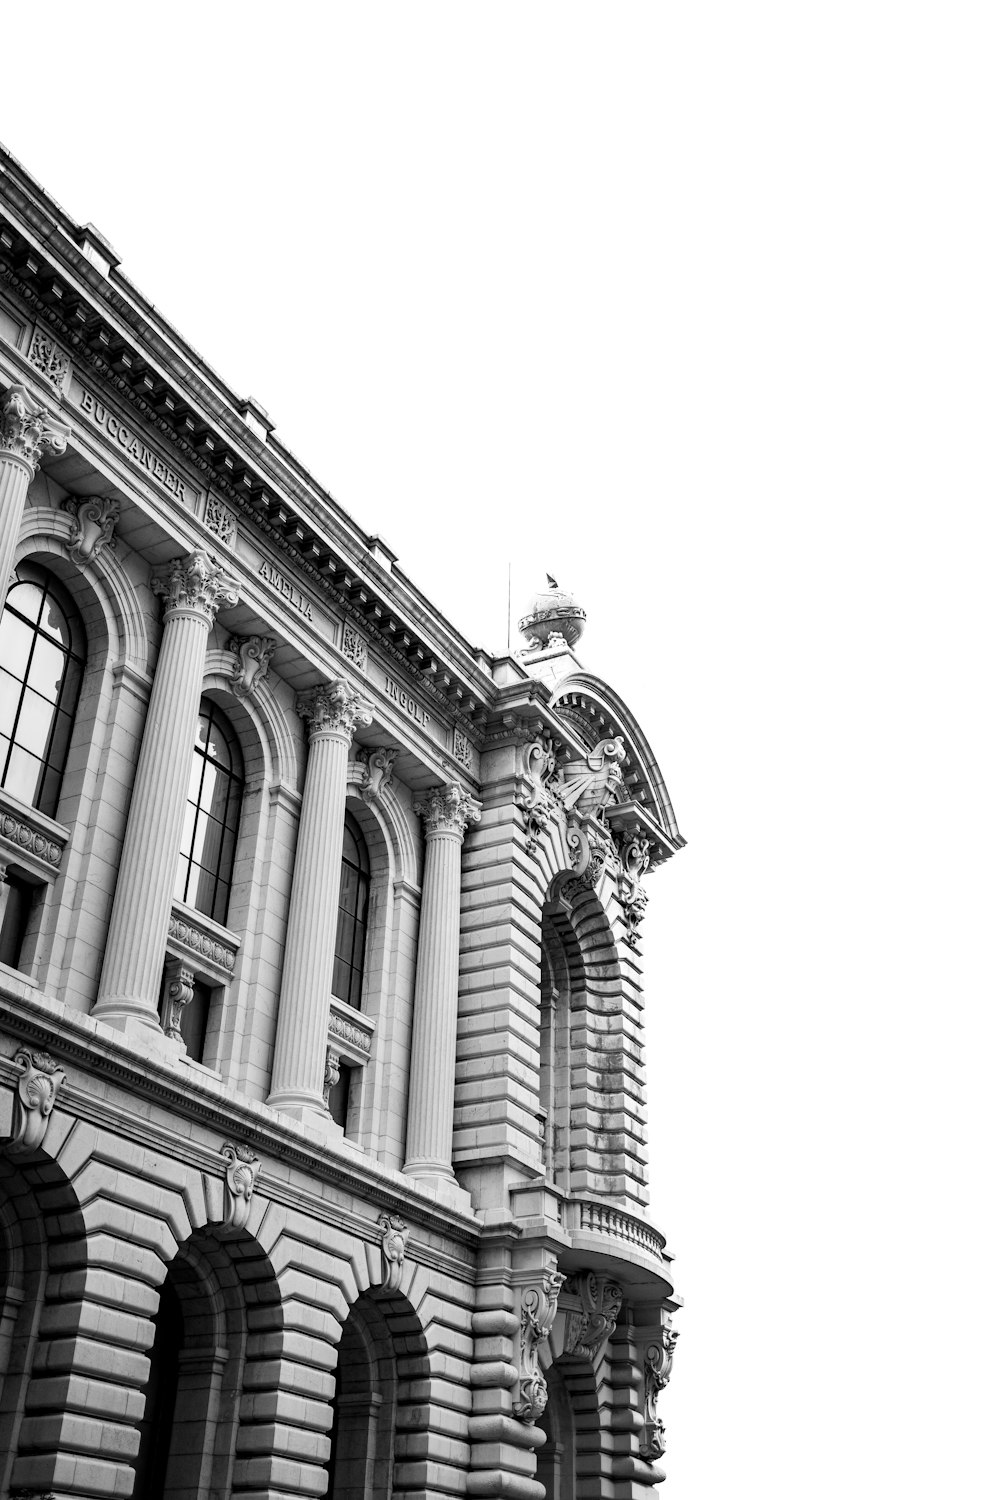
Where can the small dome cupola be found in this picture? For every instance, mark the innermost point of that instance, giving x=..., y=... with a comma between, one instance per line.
x=553, y=619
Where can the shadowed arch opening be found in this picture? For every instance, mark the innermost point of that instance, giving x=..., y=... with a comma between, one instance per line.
x=381, y=1360
x=568, y=1464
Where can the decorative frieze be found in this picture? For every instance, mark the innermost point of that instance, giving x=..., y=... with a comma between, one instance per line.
x=538, y=1310
x=241, y=1179
x=656, y=1370
x=25, y=837
x=201, y=943
x=219, y=519
x=27, y=430
x=448, y=809
x=195, y=583
x=350, y=1036
x=394, y=1237
x=589, y=1327
x=335, y=708
x=34, y=1098
x=376, y=774
x=179, y=994
x=461, y=747
x=94, y=522
x=51, y=362
x=353, y=645
x=286, y=589
x=253, y=657
x=133, y=447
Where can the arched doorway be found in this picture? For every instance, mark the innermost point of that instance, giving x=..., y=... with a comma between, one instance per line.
x=556, y=1464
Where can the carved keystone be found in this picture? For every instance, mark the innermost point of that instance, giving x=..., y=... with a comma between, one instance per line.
x=94, y=522
x=36, y=1094
x=394, y=1237
x=241, y=1179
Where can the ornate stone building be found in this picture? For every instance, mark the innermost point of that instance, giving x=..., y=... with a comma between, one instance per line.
x=322, y=1124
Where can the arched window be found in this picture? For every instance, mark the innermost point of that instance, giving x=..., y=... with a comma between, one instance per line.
x=43, y=651
x=211, y=817
x=352, y=916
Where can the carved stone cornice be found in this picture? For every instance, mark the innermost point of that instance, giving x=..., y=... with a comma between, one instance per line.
x=195, y=583
x=376, y=774
x=335, y=708
x=27, y=430
x=253, y=657
x=448, y=809
x=539, y=1302
x=94, y=522
x=394, y=1237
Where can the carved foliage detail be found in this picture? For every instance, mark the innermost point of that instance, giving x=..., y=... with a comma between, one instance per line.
x=588, y=1330
x=27, y=430
x=94, y=522
x=220, y=519
x=657, y=1365
x=180, y=993
x=462, y=747
x=331, y=1071
x=36, y=1093
x=241, y=1179
x=538, y=1311
x=48, y=359
x=540, y=797
x=195, y=582
x=394, y=1237
x=448, y=809
x=633, y=861
x=334, y=708
x=353, y=645
x=376, y=775
x=253, y=657
x=590, y=846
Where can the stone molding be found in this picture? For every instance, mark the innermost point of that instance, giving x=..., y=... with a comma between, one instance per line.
x=335, y=708
x=194, y=937
x=27, y=430
x=376, y=773
x=195, y=583
x=589, y=1327
x=448, y=809
x=656, y=1370
x=349, y=1033
x=28, y=837
x=241, y=1179
x=94, y=522
x=539, y=1303
x=253, y=658
x=34, y=1098
x=394, y=1237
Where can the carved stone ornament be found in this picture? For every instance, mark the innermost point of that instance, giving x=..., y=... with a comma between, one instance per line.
x=591, y=848
x=633, y=854
x=195, y=582
x=180, y=993
x=27, y=430
x=335, y=708
x=462, y=748
x=538, y=1311
x=36, y=1093
x=657, y=1365
x=376, y=775
x=48, y=359
x=448, y=809
x=331, y=1072
x=590, y=784
x=588, y=1330
x=353, y=645
x=540, y=798
x=253, y=657
x=241, y=1179
x=394, y=1237
x=220, y=519
x=94, y=522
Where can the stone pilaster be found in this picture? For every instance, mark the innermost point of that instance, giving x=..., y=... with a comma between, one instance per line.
x=193, y=589
x=26, y=432
x=447, y=812
x=333, y=713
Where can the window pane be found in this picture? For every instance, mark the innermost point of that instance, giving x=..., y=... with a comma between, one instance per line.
x=48, y=797
x=55, y=624
x=27, y=599
x=62, y=728
x=15, y=644
x=24, y=775
x=201, y=889
x=33, y=723
x=207, y=844
x=214, y=787
x=10, y=692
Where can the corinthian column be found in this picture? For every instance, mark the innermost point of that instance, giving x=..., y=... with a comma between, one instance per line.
x=333, y=713
x=193, y=589
x=447, y=812
x=26, y=432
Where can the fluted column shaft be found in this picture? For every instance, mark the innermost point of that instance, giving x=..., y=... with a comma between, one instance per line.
x=193, y=588
x=332, y=712
x=26, y=432
x=447, y=812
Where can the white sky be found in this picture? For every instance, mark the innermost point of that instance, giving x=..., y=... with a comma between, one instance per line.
x=694, y=306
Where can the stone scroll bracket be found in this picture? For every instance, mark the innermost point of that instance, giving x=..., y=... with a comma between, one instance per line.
x=592, y=1303
x=539, y=1301
x=658, y=1363
x=34, y=1099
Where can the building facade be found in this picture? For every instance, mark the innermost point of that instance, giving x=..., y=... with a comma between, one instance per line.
x=322, y=1127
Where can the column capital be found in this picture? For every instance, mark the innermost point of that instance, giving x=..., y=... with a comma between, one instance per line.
x=335, y=708
x=448, y=809
x=195, y=583
x=27, y=430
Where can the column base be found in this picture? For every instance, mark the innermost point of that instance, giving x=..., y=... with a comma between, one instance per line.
x=440, y=1182
x=305, y=1109
x=137, y=1022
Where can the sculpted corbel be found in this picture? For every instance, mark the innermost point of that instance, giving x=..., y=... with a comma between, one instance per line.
x=241, y=1179
x=539, y=1301
x=253, y=657
x=394, y=1237
x=94, y=522
x=633, y=862
x=376, y=773
x=590, y=847
x=34, y=1098
x=180, y=993
x=539, y=797
x=657, y=1365
x=331, y=1071
x=588, y=1330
